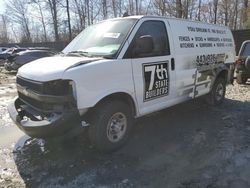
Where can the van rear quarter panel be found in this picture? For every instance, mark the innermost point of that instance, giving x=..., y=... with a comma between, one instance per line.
x=199, y=48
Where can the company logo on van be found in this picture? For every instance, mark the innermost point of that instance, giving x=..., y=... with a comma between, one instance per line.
x=156, y=80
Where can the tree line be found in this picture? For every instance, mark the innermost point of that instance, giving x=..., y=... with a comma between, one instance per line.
x=61, y=20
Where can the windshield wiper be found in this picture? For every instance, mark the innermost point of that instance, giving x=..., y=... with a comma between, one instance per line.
x=86, y=54
x=79, y=52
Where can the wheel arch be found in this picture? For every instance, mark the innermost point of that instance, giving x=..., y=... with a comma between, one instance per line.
x=121, y=96
x=222, y=73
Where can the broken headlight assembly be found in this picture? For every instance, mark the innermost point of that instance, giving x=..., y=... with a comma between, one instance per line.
x=57, y=87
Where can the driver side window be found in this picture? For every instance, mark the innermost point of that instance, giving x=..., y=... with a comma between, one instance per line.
x=156, y=30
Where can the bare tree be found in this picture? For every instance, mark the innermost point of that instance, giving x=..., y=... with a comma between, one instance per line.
x=224, y=10
x=186, y=9
x=38, y=5
x=199, y=10
x=245, y=13
x=236, y=14
x=192, y=9
x=120, y=7
x=87, y=11
x=136, y=7
x=80, y=11
x=17, y=11
x=69, y=24
x=215, y=5
x=245, y=4
x=161, y=6
x=114, y=7
x=53, y=6
x=131, y=7
x=104, y=9
x=179, y=11
x=4, y=38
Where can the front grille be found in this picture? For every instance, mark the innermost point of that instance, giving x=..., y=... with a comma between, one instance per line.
x=32, y=85
x=34, y=103
x=53, y=88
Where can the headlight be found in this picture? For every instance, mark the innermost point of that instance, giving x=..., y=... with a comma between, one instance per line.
x=57, y=87
x=73, y=86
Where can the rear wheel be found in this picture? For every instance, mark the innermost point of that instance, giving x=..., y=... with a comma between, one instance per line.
x=217, y=94
x=110, y=125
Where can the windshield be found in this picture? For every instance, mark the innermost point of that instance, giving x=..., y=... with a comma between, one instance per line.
x=246, y=50
x=102, y=39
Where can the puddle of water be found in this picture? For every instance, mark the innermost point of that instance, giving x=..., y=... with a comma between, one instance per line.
x=8, y=135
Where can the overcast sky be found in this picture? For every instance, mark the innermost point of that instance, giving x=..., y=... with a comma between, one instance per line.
x=2, y=6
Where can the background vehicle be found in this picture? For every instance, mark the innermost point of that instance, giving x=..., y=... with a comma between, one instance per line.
x=8, y=52
x=3, y=49
x=17, y=60
x=243, y=63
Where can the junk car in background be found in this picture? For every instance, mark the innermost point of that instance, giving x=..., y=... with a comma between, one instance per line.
x=8, y=52
x=243, y=63
x=17, y=60
x=3, y=49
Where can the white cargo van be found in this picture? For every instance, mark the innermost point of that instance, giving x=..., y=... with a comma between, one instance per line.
x=121, y=69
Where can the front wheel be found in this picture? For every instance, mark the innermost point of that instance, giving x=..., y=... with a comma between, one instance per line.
x=110, y=125
x=217, y=94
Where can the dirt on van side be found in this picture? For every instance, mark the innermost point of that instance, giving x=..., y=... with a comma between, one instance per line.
x=191, y=145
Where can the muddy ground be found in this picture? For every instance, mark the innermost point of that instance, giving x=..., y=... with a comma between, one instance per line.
x=190, y=145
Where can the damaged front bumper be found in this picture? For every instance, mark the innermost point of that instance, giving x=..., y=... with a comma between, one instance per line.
x=38, y=125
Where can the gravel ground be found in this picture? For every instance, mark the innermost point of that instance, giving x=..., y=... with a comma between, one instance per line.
x=190, y=145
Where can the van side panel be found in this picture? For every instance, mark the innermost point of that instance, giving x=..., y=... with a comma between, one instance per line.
x=201, y=50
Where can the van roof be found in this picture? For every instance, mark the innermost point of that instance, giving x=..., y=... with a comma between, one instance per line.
x=165, y=17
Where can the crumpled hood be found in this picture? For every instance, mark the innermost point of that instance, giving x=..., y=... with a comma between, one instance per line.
x=51, y=68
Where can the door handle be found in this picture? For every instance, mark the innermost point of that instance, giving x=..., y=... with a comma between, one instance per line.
x=172, y=64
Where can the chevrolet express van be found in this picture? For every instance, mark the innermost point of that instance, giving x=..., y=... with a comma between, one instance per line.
x=121, y=69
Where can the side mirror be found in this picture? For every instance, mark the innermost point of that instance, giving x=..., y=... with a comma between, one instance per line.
x=143, y=46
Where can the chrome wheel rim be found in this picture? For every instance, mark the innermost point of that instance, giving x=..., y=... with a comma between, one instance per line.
x=117, y=127
x=219, y=92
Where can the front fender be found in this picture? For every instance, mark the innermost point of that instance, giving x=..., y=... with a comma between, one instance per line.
x=99, y=79
x=119, y=94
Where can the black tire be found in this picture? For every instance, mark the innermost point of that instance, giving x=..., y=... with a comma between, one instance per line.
x=217, y=94
x=240, y=79
x=100, y=130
